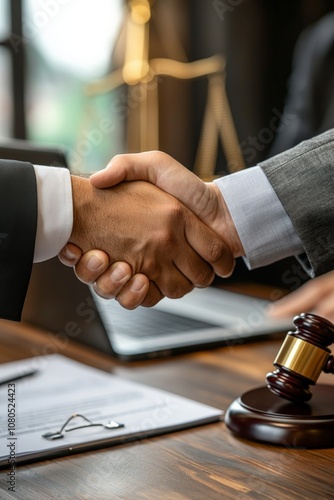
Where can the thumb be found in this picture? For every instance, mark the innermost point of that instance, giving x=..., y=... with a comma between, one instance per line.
x=162, y=170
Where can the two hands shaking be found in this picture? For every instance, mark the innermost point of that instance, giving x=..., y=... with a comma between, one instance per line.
x=162, y=235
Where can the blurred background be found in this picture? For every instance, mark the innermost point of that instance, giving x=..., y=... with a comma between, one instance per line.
x=102, y=78
x=66, y=45
x=63, y=46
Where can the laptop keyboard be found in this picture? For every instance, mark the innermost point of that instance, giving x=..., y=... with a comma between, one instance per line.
x=144, y=323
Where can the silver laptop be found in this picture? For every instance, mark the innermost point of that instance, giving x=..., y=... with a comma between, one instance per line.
x=60, y=303
x=205, y=318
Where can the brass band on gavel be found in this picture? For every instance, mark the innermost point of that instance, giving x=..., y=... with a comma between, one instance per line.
x=302, y=357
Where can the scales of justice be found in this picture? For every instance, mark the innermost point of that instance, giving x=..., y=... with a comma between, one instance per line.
x=284, y=411
x=141, y=75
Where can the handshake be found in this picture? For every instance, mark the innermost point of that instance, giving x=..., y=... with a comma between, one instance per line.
x=146, y=227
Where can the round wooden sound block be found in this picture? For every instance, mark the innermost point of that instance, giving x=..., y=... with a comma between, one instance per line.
x=259, y=415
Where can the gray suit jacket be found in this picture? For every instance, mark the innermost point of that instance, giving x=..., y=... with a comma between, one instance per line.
x=18, y=221
x=303, y=178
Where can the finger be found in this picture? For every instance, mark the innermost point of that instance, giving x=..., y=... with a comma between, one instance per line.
x=175, y=284
x=302, y=300
x=91, y=265
x=190, y=271
x=187, y=270
x=285, y=309
x=325, y=307
x=111, y=283
x=206, y=243
x=153, y=296
x=70, y=255
x=160, y=169
x=126, y=167
x=291, y=305
x=138, y=291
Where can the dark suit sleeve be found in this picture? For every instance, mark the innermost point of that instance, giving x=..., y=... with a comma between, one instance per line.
x=303, y=179
x=18, y=221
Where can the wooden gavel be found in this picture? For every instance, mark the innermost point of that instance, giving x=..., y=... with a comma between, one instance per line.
x=304, y=354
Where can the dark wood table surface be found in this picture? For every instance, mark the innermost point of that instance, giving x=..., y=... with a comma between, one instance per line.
x=201, y=463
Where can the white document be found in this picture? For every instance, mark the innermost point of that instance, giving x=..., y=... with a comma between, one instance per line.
x=42, y=403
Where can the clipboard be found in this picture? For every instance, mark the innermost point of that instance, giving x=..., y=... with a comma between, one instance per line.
x=68, y=407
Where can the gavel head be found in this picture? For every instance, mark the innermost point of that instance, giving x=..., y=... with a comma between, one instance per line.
x=303, y=356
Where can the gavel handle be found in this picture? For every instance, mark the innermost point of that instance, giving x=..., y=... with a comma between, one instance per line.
x=329, y=366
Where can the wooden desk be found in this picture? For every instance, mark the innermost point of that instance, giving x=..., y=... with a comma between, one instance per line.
x=203, y=463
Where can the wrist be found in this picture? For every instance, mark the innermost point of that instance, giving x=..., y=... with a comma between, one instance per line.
x=82, y=210
x=227, y=229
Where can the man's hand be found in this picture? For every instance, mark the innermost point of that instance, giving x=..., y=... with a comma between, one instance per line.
x=160, y=169
x=316, y=295
x=151, y=231
x=109, y=281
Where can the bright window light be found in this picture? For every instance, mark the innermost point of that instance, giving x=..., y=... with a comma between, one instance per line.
x=75, y=36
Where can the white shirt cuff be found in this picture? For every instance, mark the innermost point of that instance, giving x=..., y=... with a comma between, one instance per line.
x=264, y=228
x=55, y=211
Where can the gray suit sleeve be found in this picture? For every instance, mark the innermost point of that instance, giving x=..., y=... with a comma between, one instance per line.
x=264, y=228
x=18, y=220
x=303, y=179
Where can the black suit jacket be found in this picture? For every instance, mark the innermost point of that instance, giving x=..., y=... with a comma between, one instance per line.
x=18, y=222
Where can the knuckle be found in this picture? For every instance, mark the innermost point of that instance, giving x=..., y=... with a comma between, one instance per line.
x=152, y=298
x=151, y=301
x=101, y=288
x=176, y=210
x=160, y=155
x=178, y=292
x=151, y=269
x=118, y=158
x=216, y=251
x=204, y=276
x=165, y=241
x=127, y=303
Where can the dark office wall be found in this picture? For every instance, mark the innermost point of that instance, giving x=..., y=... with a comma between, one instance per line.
x=257, y=38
